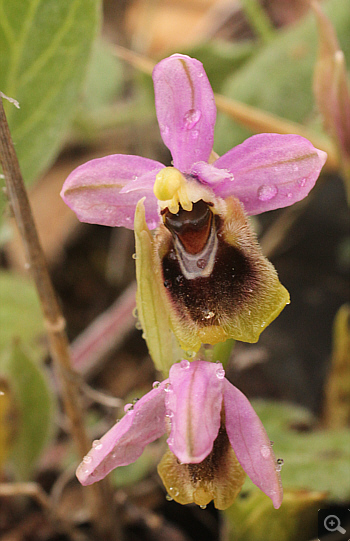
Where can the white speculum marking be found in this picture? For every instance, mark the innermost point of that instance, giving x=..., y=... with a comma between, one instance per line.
x=206, y=258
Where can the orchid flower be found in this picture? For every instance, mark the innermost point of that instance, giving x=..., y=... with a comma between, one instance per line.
x=214, y=436
x=212, y=278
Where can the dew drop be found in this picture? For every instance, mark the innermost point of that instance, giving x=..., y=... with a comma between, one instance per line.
x=302, y=182
x=169, y=498
x=203, y=506
x=220, y=373
x=169, y=414
x=190, y=353
x=201, y=263
x=87, y=459
x=138, y=325
x=265, y=451
x=267, y=192
x=96, y=444
x=128, y=407
x=134, y=400
x=134, y=256
x=155, y=384
x=208, y=314
x=134, y=312
x=280, y=463
x=194, y=134
x=191, y=117
x=167, y=283
x=170, y=441
x=168, y=388
x=174, y=491
x=271, y=443
x=185, y=364
x=289, y=195
x=200, y=74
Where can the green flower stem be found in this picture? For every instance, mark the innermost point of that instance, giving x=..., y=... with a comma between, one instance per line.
x=100, y=499
x=258, y=20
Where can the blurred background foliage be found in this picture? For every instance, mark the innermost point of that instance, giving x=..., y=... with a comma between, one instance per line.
x=60, y=59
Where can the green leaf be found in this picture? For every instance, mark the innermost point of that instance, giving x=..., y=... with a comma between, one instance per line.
x=253, y=517
x=278, y=79
x=314, y=458
x=20, y=314
x=44, y=49
x=34, y=405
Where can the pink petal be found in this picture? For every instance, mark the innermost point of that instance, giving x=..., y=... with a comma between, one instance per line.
x=185, y=108
x=193, y=403
x=126, y=440
x=270, y=171
x=93, y=190
x=251, y=443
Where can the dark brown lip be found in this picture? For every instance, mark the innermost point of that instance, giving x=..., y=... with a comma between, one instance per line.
x=192, y=228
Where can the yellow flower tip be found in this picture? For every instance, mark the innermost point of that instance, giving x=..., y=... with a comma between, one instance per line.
x=170, y=188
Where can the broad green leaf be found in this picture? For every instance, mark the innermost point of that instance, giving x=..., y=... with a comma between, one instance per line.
x=278, y=79
x=252, y=517
x=314, y=458
x=8, y=420
x=35, y=408
x=44, y=49
x=20, y=314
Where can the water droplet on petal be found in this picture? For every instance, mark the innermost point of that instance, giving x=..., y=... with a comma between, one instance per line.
x=128, y=407
x=185, y=364
x=96, y=444
x=194, y=134
x=138, y=325
x=289, y=195
x=190, y=354
x=191, y=117
x=169, y=498
x=267, y=192
x=265, y=451
x=280, y=463
x=174, y=491
x=87, y=459
x=201, y=263
x=200, y=74
x=203, y=506
x=134, y=256
x=134, y=312
x=302, y=182
x=168, y=388
x=169, y=414
x=220, y=373
x=155, y=384
x=170, y=441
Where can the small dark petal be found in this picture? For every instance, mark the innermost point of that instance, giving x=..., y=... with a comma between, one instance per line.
x=219, y=477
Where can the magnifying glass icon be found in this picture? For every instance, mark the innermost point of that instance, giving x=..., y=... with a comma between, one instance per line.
x=332, y=524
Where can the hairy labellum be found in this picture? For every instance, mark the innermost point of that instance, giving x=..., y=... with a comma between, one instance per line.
x=216, y=282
